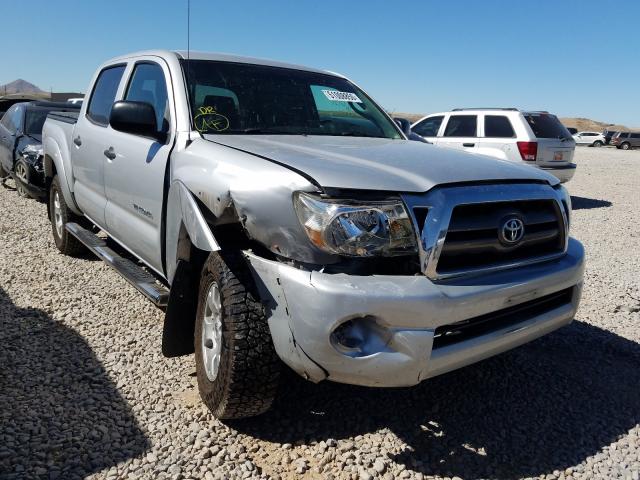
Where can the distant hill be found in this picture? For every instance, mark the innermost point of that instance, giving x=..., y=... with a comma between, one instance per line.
x=20, y=86
x=586, y=124
x=582, y=124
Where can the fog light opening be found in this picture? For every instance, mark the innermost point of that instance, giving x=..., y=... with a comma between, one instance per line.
x=360, y=337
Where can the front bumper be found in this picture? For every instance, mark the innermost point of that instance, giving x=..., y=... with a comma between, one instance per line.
x=304, y=308
x=563, y=173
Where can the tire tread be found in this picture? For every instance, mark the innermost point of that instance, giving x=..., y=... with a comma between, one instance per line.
x=249, y=372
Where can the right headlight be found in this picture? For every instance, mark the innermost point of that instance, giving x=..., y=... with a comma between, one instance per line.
x=356, y=229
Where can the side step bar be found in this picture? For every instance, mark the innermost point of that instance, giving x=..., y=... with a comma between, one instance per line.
x=132, y=273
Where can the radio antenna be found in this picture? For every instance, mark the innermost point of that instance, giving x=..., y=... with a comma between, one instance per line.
x=188, y=29
x=188, y=72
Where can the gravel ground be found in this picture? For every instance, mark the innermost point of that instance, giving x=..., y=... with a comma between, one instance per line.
x=85, y=391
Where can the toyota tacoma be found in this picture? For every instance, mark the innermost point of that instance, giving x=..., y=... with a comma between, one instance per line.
x=282, y=219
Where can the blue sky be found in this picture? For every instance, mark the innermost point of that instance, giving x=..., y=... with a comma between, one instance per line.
x=411, y=56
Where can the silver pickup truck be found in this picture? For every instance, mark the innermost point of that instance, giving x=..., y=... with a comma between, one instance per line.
x=281, y=217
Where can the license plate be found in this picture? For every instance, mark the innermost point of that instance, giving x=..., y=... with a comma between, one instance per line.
x=557, y=156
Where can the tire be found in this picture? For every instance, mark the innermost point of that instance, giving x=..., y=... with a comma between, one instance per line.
x=21, y=172
x=60, y=215
x=597, y=143
x=625, y=146
x=245, y=382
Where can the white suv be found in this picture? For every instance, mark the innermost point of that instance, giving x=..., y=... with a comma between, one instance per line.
x=535, y=138
x=592, y=139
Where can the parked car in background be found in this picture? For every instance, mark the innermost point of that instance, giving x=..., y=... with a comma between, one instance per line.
x=626, y=140
x=76, y=101
x=572, y=130
x=21, y=144
x=591, y=139
x=608, y=135
x=533, y=138
x=284, y=218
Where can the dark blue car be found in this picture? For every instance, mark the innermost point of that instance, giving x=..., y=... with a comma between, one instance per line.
x=21, y=144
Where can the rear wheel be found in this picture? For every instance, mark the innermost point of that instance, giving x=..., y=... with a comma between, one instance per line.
x=60, y=215
x=597, y=143
x=236, y=363
x=625, y=146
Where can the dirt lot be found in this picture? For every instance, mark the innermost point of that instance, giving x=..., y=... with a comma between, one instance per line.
x=85, y=391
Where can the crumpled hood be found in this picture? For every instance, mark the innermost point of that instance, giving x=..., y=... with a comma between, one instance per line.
x=379, y=163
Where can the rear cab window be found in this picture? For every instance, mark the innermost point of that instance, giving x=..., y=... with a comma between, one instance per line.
x=546, y=125
x=462, y=126
x=104, y=94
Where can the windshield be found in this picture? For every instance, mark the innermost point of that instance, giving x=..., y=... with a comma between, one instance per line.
x=239, y=98
x=545, y=125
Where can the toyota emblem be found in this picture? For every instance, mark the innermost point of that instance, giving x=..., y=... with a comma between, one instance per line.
x=511, y=231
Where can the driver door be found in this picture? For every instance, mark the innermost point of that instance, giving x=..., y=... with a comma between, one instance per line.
x=135, y=169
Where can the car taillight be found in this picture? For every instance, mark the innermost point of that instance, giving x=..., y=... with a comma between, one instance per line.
x=528, y=151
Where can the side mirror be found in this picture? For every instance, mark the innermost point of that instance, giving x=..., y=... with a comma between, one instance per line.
x=404, y=125
x=138, y=118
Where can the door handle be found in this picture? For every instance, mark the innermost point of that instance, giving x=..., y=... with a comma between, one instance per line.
x=110, y=153
x=468, y=144
x=77, y=141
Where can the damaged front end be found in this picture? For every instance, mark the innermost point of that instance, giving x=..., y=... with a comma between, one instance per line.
x=398, y=327
x=28, y=171
x=359, y=286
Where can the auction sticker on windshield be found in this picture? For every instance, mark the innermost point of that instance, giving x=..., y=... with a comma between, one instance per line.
x=337, y=96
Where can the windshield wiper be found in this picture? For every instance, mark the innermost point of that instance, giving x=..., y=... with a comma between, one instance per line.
x=357, y=134
x=266, y=131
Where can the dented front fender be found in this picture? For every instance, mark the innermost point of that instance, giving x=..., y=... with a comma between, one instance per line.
x=184, y=217
x=237, y=186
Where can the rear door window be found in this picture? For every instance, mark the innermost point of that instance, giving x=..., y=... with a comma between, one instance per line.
x=545, y=125
x=498, y=126
x=635, y=135
x=461, y=126
x=104, y=94
x=429, y=126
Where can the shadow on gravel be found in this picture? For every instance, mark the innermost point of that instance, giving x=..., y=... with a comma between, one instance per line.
x=543, y=407
x=582, y=203
x=60, y=414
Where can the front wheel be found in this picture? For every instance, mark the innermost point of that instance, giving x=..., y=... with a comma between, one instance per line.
x=22, y=178
x=597, y=143
x=625, y=146
x=236, y=363
x=60, y=215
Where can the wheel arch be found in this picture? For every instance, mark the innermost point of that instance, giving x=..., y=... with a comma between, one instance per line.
x=54, y=164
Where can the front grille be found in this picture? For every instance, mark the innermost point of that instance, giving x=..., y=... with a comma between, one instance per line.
x=473, y=242
x=474, y=327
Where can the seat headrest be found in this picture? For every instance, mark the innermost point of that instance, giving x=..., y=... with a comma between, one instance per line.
x=221, y=104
